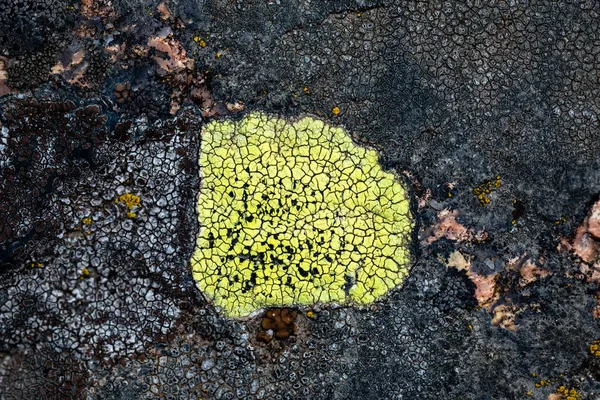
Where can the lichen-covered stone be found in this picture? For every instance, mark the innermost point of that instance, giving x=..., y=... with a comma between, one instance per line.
x=296, y=213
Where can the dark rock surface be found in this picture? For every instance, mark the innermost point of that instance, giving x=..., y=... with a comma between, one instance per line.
x=489, y=108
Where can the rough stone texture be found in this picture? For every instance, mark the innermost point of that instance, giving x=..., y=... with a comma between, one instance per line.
x=97, y=299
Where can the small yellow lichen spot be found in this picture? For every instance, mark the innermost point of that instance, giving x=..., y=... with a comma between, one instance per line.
x=543, y=383
x=84, y=273
x=131, y=201
x=595, y=348
x=483, y=190
x=335, y=110
x=310, y=315
x=87, y=220
x=294, y=213
x=200, y=41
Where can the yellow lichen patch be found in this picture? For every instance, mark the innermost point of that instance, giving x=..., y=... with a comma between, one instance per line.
x=296, y=214
x=200, y=41
x=87, y=220
x=543, y=383
x=84, y=273
x=131, y=201
x=483, y=190
x=568, y=394
x=335, y=110
x=595, y=348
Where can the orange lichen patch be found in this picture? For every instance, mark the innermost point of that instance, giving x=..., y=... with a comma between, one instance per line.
x=594, y=221
x=591, y=273
x=77, y=58
x=458, y=261
x=4, y=89
x=424, y=200
x=115, y=51
x=235, y=107
x=485, y=289
x=448, y=227
x=278, y=323
x=584, y=244
x=335, y=110
x=596, y=309
x=86, y=31
x=139, y=50
x=165, y=13
x=489, y=290
x=74, y=70
x=177, y=70
x=96, y=8
x=529, y=272
x=504, y=316
x=176, y=57
x=485, y=286
x=78, y=77
x=202, y=96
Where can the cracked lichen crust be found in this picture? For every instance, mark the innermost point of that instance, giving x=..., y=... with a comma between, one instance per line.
x=296, y=213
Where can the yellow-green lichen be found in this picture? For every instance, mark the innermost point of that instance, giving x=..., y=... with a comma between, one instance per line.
x=483, y=190
x=131, y=201
x=296, y=213
x=595, y=348
x=568, y=394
